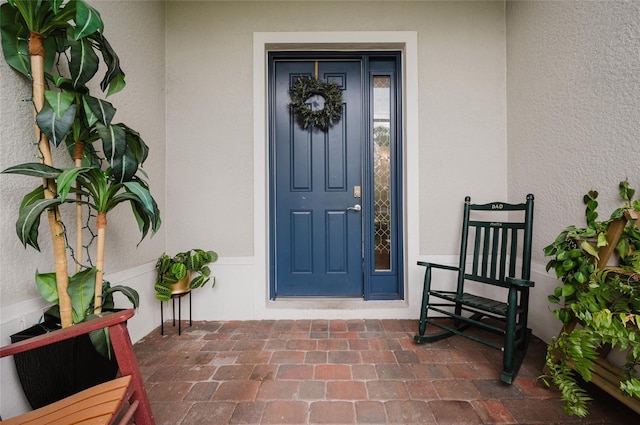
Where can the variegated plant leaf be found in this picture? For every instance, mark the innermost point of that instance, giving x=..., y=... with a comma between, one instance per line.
x=34, y=169
x=87, y=19
x=29, y=219
x=67, y=179
x=116, y=84
x=56, y=128
x=56, y=4
x=198, y=282
x=82, y=286
x=101, y=341
x=589, y=248
x=61, y=82
x=59, y=101
x=114, y=142
x=84, y=62
x=113, y=80
x=131, y=294
x=15, y=39
x=144, y=223
x=602, y=240
x=136, y=144
x=145, y=198
x=30, y=198
x=124, y=167
x=48, y=287
x=98, y=110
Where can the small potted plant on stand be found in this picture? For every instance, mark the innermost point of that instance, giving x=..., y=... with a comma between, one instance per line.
x=184, y=271
x=55, y=46
x=176, y=276
x=598, y=305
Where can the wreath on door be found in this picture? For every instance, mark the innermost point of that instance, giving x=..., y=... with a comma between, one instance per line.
x=303, y=90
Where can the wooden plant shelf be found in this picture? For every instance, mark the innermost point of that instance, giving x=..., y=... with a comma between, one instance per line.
x=605, y=375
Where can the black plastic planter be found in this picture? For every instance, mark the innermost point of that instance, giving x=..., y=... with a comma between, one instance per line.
x=51, y=373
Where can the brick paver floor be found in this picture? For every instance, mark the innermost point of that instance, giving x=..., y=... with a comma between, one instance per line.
x=344, y=372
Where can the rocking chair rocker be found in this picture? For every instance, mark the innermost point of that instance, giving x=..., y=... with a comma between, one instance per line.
x=493, y=253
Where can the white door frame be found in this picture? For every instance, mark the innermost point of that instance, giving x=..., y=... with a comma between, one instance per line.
x=264, y=42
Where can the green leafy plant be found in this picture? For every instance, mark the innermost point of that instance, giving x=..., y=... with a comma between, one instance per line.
x=170, y=270
x=81, y=290
x=596, y=306
x=59, y=46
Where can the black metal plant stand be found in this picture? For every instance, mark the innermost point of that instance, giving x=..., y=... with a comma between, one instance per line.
x=173, y=310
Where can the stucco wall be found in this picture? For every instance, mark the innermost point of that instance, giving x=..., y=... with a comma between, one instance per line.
x=573, y=106
x=210, y=122
x=211, y=79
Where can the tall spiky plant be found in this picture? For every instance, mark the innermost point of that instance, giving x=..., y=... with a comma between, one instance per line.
x=36, y=37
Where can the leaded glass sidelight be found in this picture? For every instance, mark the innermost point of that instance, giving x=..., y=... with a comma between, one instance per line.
x=382, y=171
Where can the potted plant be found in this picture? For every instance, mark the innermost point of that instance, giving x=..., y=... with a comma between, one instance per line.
x=599, y=306
x=182, y=272
x=56, y=46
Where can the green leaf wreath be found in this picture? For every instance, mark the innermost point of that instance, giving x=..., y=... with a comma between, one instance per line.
x=306, y=87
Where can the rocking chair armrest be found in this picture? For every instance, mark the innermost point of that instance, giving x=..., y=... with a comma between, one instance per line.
x=522, y=283
x=106, y=321
x=437, y=266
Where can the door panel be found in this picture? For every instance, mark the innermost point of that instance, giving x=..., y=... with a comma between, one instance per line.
x=317, y=240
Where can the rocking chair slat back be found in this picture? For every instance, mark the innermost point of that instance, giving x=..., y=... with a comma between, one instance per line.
x=495, y=253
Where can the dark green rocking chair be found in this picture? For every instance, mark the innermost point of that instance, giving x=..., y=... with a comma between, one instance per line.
x=495, y=252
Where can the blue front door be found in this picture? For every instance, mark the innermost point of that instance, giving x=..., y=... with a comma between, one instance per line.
x=316, y=183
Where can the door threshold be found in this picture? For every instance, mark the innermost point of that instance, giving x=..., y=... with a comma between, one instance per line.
x=337, y=303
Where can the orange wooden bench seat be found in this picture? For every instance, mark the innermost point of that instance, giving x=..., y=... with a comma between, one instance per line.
x=95, y=405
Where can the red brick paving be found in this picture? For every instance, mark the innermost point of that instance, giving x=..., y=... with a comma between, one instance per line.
x=344, y=372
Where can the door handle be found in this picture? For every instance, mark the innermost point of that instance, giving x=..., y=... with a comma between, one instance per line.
x=356, y=207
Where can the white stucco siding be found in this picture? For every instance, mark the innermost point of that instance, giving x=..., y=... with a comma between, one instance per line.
x=461, y=92
x=461, y=122
x=209, y=128
x=573, y=115
x=463, y=118
x=16, y=132
x=141, y=105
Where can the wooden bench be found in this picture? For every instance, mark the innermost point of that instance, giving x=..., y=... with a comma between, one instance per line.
x=117, y=401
